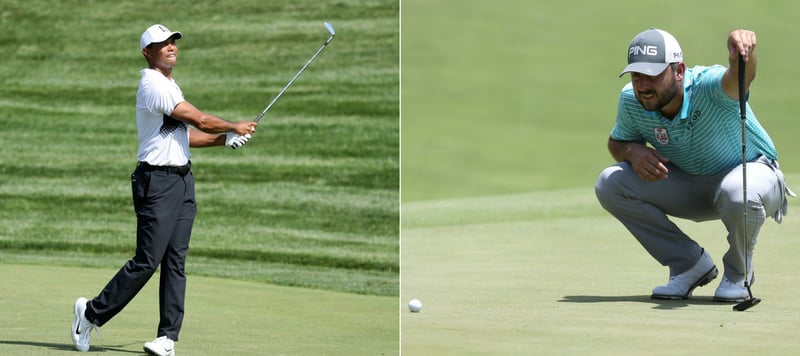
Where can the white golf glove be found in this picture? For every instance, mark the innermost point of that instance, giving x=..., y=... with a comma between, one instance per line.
x=234, y=140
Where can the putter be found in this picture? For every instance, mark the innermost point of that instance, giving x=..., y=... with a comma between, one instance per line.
x=752, y=301
x=329, y=27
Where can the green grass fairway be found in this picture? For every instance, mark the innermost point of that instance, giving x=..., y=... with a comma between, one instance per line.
x=223, y=317
x=310, y=201
x=551, y=273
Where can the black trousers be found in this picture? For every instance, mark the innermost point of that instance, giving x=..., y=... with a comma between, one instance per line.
x=165, y=206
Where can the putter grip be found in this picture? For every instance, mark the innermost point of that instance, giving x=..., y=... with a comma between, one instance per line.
x=742, y=100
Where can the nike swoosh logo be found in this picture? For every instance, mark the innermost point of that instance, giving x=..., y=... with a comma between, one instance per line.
x=78, y=329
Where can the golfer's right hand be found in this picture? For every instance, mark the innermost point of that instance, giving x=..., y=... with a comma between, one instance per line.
x=648, y=163
x=245, y=127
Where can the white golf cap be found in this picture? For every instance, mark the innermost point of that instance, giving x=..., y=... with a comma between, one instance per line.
x=157, y=33
x=651, y=52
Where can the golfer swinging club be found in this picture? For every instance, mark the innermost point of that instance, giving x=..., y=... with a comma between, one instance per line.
x=677, y=140
x=163, y=195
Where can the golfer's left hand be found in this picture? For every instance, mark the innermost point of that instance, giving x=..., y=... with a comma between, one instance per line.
x=741, y=42
x=234, y=140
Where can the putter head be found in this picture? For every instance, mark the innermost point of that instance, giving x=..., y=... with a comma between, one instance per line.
x=747, y=304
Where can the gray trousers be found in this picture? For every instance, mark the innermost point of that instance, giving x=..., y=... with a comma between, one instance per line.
x=165, y=209
x=644, y=209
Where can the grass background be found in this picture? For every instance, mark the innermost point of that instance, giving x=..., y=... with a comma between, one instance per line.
x=506, y=109
x=514, y=96
x=310, y=202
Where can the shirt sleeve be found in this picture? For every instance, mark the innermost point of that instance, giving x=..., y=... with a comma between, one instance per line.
x=710, y=83
x=625, y=128
x=161, y=97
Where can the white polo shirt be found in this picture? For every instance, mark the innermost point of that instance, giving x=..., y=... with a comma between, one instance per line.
x=163, y=141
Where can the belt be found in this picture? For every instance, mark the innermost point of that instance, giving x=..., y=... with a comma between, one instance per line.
x=180, y=170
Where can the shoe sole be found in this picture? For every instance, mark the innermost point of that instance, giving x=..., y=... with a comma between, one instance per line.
x=729, y=300
x=153, y=353
x=706, y=279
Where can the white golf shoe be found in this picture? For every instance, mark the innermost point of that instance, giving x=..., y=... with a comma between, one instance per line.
x=81, y=327
x=161, y=346
x=733, y=292
x=682, y=285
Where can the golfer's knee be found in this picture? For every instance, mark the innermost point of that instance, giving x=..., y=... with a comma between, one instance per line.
x=608, y=184
x=143, y=264
x=731, y=207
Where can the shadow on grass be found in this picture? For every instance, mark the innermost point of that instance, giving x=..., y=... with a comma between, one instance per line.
x=659, y=303
x=69, y=347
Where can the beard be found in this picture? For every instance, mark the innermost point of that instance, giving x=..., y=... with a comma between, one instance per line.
x=660, y=99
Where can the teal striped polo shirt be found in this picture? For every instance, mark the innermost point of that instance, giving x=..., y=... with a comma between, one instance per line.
x=705, y=137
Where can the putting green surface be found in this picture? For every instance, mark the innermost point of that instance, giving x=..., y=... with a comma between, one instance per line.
x=223, y=317
x=552, y=273
x=506, y=109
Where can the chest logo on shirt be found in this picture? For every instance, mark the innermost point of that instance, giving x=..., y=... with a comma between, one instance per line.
x=662, y=136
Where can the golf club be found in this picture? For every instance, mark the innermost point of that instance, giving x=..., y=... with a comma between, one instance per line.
x=752, y=301
x=329, y=27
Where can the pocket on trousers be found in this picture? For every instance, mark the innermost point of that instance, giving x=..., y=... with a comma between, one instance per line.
x=140, y=184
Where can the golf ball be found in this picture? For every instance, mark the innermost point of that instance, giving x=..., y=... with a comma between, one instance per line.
x=415, y=305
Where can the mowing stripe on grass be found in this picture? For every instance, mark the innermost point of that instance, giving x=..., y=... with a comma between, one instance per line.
x=316, y=189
